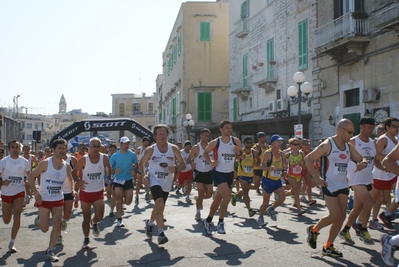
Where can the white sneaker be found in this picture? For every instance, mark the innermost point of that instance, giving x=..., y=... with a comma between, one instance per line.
x=120, y=223
x=220, y=228
x=386, y=250
x=12, y=248
x=64, y=225
x=188, y=200
x=60, y=240
x=86, y=243
x=198, y=216
x=51, y=257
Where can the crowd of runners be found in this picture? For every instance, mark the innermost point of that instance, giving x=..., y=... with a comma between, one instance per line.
x=341, y=165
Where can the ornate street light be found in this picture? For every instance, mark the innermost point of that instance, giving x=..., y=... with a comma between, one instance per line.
x=296, y=92
x=189, y=124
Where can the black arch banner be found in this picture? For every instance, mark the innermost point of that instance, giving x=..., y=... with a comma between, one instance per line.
x=104, y=125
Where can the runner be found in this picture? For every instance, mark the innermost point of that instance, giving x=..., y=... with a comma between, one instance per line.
x=88, y=174
x=260, y=148
x=32, y=163
x=273, y=165
x=307, y=181
x=161, y=158
x=13, y=169
x=225, y=149
x=122, y=163
x=81, y=151
x=139, y=153
x=361, y=183
x=54, y=172
x=335, y=153
x=108, y=186
x=202, y=171
x=186, y=175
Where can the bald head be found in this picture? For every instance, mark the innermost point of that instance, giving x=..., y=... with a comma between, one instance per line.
x=344, y=123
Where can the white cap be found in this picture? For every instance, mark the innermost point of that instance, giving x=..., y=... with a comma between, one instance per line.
x=124, y=139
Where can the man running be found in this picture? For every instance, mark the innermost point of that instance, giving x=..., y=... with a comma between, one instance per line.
x=139, y=153
x=122, y=163
x=335, y=153
x=13, y=169
x=185, y=178
x=225, y=149
x=32, y=163
x=49, y=198
x=260, y=148
x=88, y=174
x=161, y=158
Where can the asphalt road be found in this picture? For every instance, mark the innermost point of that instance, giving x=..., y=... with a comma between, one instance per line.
x=280, y=243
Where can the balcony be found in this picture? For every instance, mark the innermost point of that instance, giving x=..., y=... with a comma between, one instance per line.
x=342, y=36
x=244, y=29
x=242, y=92
x=386, y=19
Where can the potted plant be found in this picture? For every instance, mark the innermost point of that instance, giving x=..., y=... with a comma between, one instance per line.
x=360, y=15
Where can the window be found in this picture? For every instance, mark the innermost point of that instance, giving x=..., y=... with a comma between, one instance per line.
x=36, y=126
x=342, y=7
x=178, y=102
x=235, y=109
x=169, y=68
x=269, y=58
x=29, y=125
x=174, y=53
x=205, y=31
x=122, y=109
x=352, y=98
x=136, y=108
x=160, y=117
x=244, y=14
x=150, y=107
x=172, y=56
x=204, y=106
x=303, y=44
x=278, y=94
x=29, y=137
x=245, y=71
x=174, y=110
x=179, y=44
x=163, y=114
x=355, y=118
x=167, y=108
x=250, y=102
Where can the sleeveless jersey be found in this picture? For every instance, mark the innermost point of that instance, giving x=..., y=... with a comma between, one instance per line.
x=333, y=167
x=140, y=155
x=201, y=164
x=51, y=182
x=278, y=163
x=13, y=170
x=225, y=155
x=158, y=171
x=66, y=187
x=380, y=174
x=294, y=165
x=261, y=152
x=246, y=166
x=93, y=174
x=365, y=176
x=185, y=157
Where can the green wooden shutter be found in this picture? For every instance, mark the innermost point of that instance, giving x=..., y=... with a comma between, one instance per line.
x=355, y=118
x=178, y=102
x=179, y=44
x=303, y=44
x=270, y=57
x=204, y=110
x=245, y=71
x=174, y=110
x=205, y=31
x=235, y=109
x=174, y=53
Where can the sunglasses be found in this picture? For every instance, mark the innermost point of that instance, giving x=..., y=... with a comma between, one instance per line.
x=295, y=144
x=95, y=146
x=349, y=132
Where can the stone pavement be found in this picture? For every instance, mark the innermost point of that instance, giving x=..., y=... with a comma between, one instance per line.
x=281, y=243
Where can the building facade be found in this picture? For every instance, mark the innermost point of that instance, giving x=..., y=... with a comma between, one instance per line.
x=269, y=42
x=356, y=62
x=195, y=70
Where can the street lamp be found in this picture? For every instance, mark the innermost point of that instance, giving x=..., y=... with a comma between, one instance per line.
x=15, y=100
x=296, y=92
x=189, y=124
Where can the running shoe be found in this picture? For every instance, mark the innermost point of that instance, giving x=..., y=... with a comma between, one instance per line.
x=162, y=239
x=64, y=225
x=304, y=200
x=261, y=221
x=258, y=191
x=394, y=215
x=251, y=212
x=312, y=202
x=147, y=197
x=233, y=199
x=60, y=240
x=50, y=256
x=111, y=213
x=386, y=220
x=188, y=200
x=312, y=237
x=149, y=231
x=120, y=223
x=136, y=201
x=207, y=226
x=272, y=213
x=386, y=250
x=95, y=230
x=275, y=197
x=198, y=216
x=178, y=192
x=220, y=228
x=375, y=225
x=301, y=211
x=12, y=248
x=86, y=242
x=36, y=222
x=347, y=237
x=365, y=237
x=356, y=227
x=331, y=251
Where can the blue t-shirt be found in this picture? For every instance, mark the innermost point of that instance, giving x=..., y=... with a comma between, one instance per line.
x=125, y=163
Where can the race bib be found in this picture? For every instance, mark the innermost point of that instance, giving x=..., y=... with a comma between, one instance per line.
x=161, y=175
x=53, y=191
x=340, y=169
x=119, y=181
x=15, y=181
x=94, y=177
x=276, y=173
x=297, y=169
x=226, y=158
x=248, y=169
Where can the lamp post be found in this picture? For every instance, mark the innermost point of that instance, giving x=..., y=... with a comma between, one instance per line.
x=189, y=124
x=296, y=92
x=15, y=100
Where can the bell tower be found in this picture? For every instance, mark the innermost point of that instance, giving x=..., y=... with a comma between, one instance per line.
x=62, y=106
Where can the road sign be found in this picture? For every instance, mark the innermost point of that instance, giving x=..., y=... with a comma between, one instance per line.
x=298, y=131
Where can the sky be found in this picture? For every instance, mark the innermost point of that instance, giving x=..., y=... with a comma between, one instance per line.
x=84, y=49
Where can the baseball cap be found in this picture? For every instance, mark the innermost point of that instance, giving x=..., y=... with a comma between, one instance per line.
x=275, y=137
x=187, y=143
x=124, y=140
x=305, y=142
x=260, y=134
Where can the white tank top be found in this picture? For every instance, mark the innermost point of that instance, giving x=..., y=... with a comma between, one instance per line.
x=225, y=155
x=93, y=175
x=365, y=176
x=201, y=164
x=158, y=168
x=51, y=182
x=185, y=157
x=383, y=175
x=140, y=155
x=67, y=186
x=13, y=170
x=333, y=167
